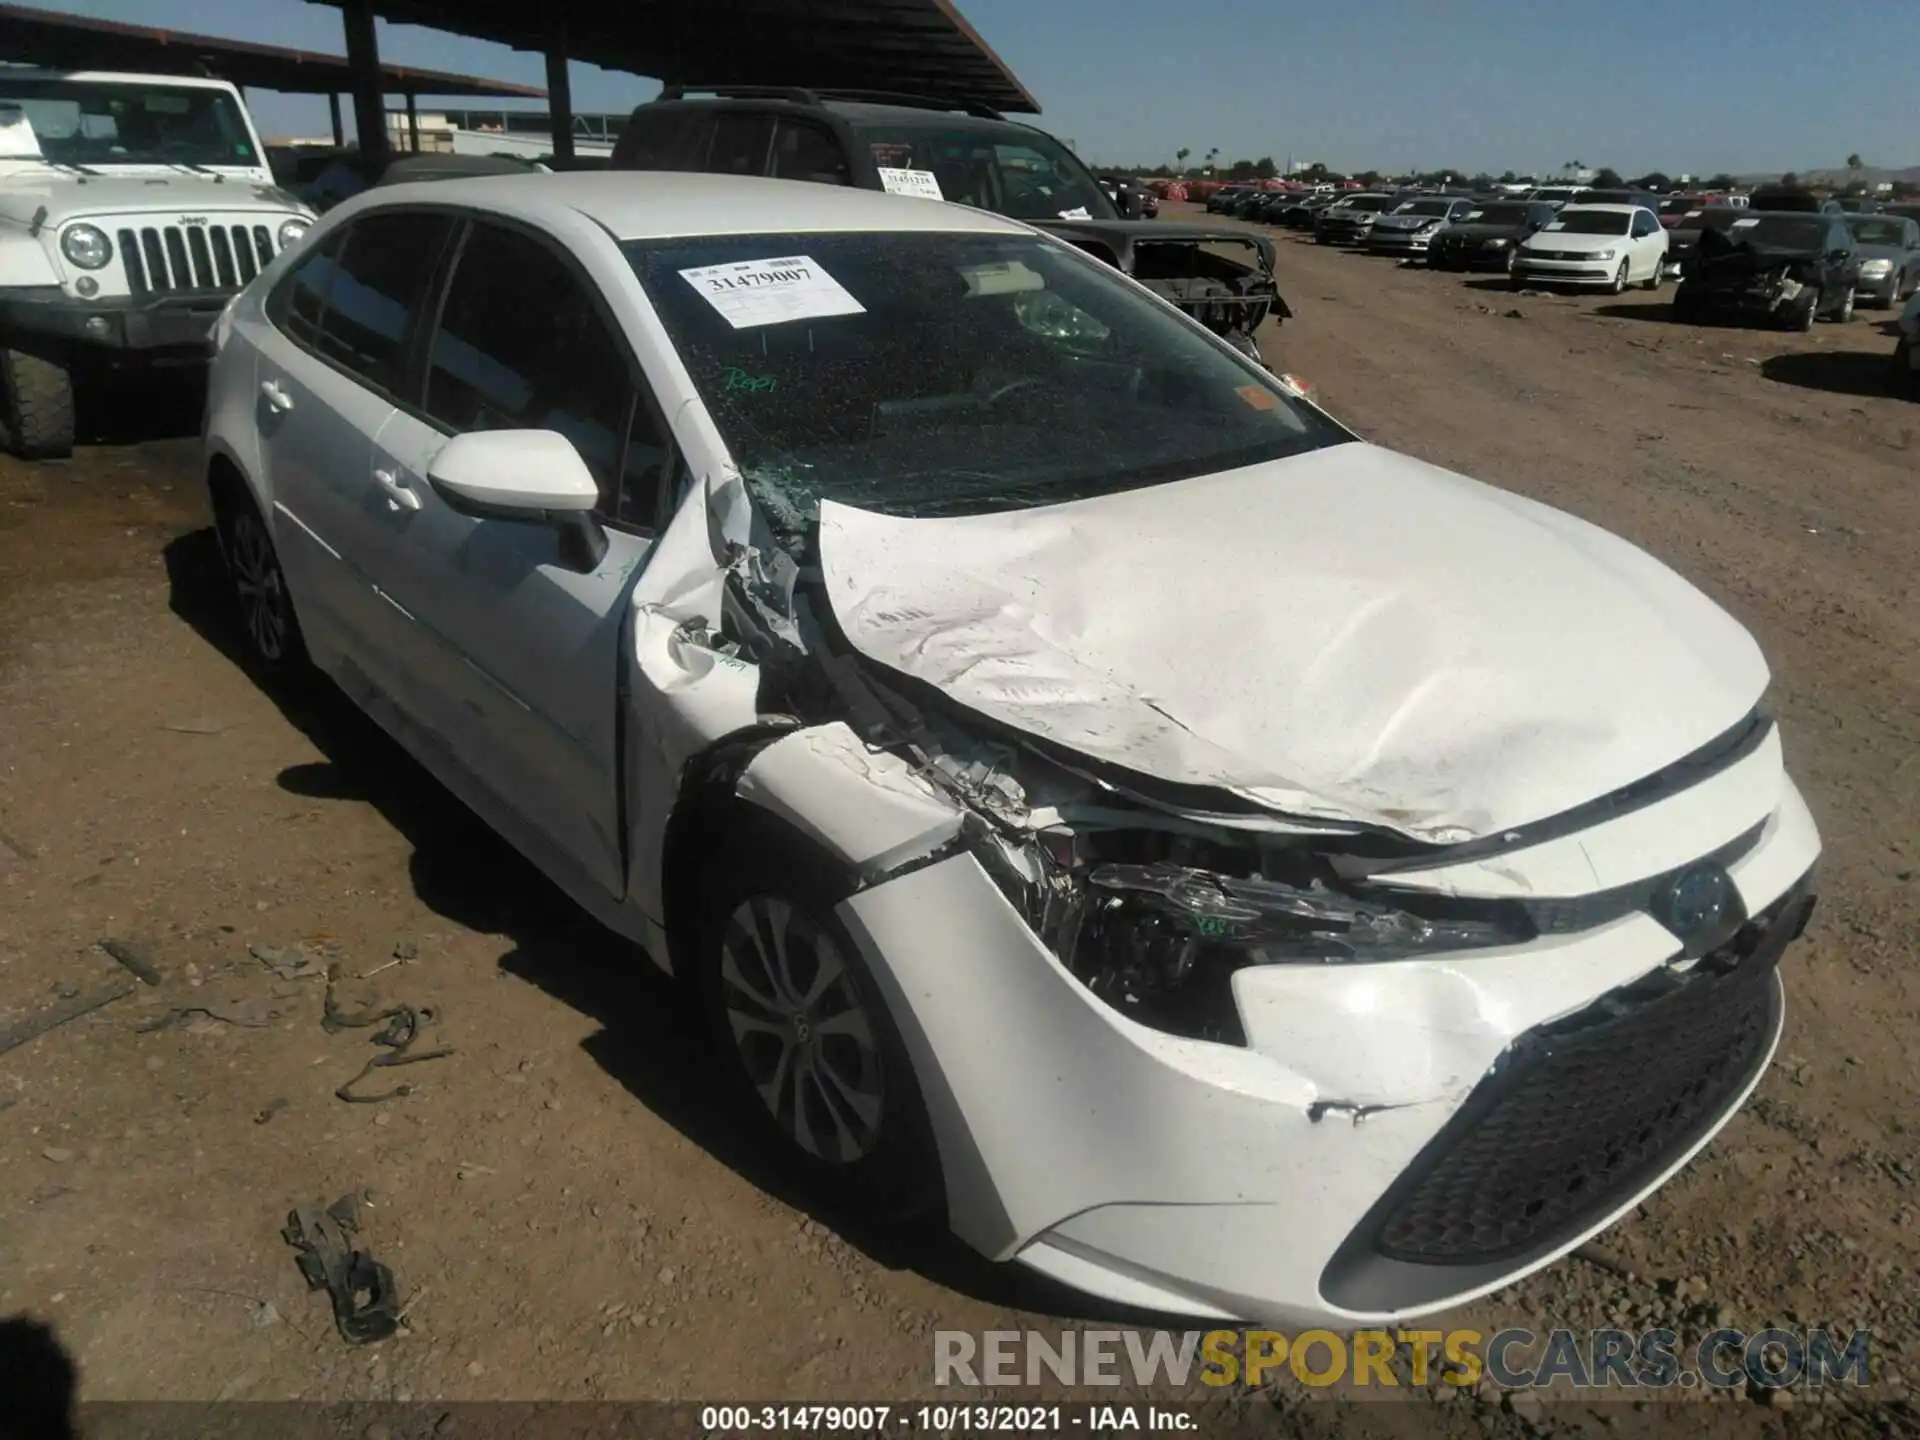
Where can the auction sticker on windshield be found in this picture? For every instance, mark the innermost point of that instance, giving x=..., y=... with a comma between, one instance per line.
x=918, y=183
x=750, y=293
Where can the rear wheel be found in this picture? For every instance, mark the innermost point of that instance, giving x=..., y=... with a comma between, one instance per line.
x=36, y=405
x=262, y=601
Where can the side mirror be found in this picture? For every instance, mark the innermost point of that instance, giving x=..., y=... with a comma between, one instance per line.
x=1132, y=204
x=530, y=476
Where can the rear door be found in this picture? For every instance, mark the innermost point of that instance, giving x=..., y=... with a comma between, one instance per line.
x=342, y=324
x=517, y=655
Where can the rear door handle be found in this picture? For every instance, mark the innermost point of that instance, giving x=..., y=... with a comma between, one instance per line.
x=399, y=494
x=277, y=398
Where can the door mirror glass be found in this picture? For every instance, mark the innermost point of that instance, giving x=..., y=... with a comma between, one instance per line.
x=513, y=475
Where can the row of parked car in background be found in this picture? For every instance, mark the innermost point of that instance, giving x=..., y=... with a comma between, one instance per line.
x=1779, y=254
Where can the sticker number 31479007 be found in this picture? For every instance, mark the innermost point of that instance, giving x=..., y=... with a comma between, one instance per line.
x=750, y=293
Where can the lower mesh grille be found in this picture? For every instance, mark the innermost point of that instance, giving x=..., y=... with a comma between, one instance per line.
x=1585, y=1112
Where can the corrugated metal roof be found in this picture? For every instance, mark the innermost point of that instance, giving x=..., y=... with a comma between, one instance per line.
x=925, y=47
x=73, y=42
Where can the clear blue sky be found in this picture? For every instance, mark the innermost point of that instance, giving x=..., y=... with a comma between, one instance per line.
x=1678, y=85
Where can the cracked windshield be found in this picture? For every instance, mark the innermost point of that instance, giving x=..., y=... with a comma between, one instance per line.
x=930, y=374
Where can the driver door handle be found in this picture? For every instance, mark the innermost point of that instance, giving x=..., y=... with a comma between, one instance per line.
x=276, y=396
x=399, y=494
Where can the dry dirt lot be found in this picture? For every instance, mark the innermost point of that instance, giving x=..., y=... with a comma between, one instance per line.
x=567, y=1217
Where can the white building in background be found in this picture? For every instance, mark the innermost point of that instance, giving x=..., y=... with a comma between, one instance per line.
x=525, y=134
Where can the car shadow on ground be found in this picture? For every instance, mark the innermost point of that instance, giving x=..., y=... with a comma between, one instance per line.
x=1843, y=372
x=649, y=1040
x=38, y=1395
x=133, y=409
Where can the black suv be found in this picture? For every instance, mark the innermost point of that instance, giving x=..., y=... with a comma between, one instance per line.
x=967, y=154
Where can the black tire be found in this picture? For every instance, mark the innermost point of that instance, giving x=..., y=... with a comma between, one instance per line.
x=37, y=406
x=1803, y=319
x=1906, y=379
x=1844, y=315
x=1685, y=311
x=1515, y=280
x=845, y=1118
x=1619, y=284
x=262, y=601
x=1652, y=282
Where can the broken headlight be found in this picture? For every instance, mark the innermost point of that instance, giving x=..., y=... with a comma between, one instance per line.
x=1160, y=942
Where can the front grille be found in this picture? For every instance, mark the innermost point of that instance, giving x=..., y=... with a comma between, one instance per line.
x=1582, y=1113
x=170, y=259
x=1557, y=255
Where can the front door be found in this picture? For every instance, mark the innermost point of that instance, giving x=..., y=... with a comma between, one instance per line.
x=515, y=654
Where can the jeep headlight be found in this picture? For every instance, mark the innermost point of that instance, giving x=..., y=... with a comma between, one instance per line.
x=1874, y=269
x=291, y=231
x=86, y=246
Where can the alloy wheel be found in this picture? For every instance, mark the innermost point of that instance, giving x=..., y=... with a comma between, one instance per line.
x=1620, y=278
x=260, y=586
x=804, y=1030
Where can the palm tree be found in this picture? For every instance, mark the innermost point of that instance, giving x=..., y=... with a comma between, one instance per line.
x=1854, y=162
x=1212, y=156
x=1180, y=158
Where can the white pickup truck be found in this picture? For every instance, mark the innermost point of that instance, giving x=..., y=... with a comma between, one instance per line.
x=132, y=208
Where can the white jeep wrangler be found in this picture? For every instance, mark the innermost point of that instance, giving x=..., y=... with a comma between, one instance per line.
x=132, y=208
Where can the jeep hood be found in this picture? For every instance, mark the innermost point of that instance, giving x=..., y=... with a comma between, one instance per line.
x=65, y=195
x=1348, y=635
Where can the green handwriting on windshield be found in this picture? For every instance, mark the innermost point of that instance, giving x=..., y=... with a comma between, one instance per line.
x=738, y=379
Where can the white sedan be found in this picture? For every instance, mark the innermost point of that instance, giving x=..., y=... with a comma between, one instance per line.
x=1089, y=794
x=1611, y=245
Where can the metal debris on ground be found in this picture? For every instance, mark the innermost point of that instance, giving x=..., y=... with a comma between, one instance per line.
x=126, y=955
x=290, y=962
x=252, y=1014
x=363, y=1291
x=403, y=1027
x=72, y=1008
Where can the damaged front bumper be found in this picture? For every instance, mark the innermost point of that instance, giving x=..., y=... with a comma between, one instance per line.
x=1348, y=1163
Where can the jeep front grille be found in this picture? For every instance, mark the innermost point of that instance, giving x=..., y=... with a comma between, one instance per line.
x=165, y=259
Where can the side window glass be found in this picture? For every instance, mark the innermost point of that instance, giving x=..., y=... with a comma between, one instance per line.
x=803, y=151
x=521, y=347
x=740, y=140
x=661, y=140
x=299, y=301
x=379, y=284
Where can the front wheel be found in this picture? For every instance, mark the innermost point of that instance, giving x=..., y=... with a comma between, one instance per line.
x=36, y=404
x=1845, y=313
x=1619, y=280
x=1803, y=318
x=811, y=1058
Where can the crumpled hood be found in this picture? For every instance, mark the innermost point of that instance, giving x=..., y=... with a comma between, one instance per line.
x=65, y=196
x=1349, y=634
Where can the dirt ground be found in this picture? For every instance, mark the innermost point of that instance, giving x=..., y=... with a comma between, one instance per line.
x=567, y=1217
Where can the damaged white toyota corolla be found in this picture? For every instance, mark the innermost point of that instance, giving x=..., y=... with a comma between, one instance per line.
x=1223, y=865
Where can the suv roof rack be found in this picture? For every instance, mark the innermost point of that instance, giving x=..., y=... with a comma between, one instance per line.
x=800, y=95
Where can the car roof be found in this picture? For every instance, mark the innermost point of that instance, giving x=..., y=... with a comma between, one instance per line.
x=650, y=204
x=117, y=77
x=1604, y=209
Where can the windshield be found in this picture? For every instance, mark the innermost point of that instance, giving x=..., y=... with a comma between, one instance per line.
x=1878, y=229
x=94, y=123
x=1498, y=215
x=1679, y=205
x=1425, y=207
x=1591, y=222
x=1369, y=203
x=1552, y=195
x=922, y=374
x=1007, y=169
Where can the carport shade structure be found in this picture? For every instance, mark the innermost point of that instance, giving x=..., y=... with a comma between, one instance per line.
x=58, y=41
x=919, y=47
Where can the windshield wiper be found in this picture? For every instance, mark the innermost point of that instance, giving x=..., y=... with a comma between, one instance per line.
x=196, y=169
